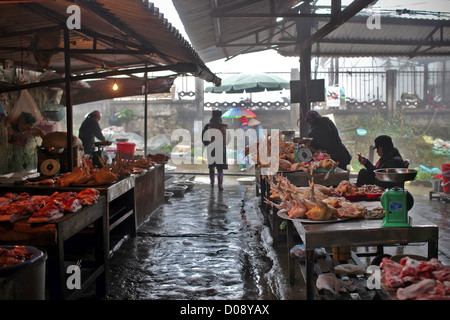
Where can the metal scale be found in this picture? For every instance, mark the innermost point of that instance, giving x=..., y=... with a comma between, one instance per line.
x=396, y=201
x=302, y=152
x=98, y=153
x=48, y=161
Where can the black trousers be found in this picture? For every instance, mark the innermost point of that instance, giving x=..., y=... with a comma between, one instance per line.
x=365, y=177
x=368, y=177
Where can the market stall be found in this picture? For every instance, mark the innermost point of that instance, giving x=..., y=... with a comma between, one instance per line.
x=354, y=233
x=341, y=219
x=54, y=233
x=124, y=206
x=300, y=166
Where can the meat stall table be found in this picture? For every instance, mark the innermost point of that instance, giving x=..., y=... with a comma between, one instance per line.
x=297, y=178
x=119, y=196
x=53, y=236
x=129, y=201
x=356, y=233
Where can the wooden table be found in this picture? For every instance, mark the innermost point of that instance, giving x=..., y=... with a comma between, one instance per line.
x=53, y=236
x=354, y=233
x=119, y=196
x=129, y=201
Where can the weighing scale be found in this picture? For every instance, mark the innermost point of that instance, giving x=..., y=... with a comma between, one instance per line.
x=98, y=153
x=48, y=161
x=302, y=152
x=396, y=201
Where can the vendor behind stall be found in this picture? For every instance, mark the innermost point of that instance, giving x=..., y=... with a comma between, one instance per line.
x=389, y=158
x=326, y=137
x=89, y=130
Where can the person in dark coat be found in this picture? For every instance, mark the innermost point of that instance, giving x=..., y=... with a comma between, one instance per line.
x=89, y=130
x=216, y=162
x=389, y=158
x=326, y=137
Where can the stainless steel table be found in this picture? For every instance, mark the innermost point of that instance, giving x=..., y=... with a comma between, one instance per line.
x=354, y=233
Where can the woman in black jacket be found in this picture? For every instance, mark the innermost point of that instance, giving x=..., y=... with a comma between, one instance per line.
x=389, y=158
x=89, y=130
x=216, y=150
x=326, y=137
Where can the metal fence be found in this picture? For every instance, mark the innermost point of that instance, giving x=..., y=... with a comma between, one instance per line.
x=418, y=88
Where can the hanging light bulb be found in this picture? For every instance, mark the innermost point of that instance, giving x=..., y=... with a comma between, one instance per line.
x=115, y=86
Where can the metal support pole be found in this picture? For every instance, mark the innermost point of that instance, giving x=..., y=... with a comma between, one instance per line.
x=199, y=98
x=425, y=82
x=391, y=89
x=295, y=107
x=305, y=78
x=69, y=109
x=145, y=111
x=304, y=31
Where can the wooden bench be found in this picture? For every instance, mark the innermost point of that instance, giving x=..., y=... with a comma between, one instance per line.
x=326, y=265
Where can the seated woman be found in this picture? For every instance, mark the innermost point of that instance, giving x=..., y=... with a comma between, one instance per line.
x=389, y=158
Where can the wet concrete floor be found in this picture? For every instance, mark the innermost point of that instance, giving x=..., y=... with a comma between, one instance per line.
x=209, y=244
x=213, y=244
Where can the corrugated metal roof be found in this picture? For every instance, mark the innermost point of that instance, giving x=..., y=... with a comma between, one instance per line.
x=134, y=29
x=234, y=27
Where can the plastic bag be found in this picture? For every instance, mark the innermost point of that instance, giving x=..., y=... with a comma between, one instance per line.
x=53, y=111
x=25, y=107
x=298, y=252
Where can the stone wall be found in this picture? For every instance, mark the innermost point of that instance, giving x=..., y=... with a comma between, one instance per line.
x=164, y=116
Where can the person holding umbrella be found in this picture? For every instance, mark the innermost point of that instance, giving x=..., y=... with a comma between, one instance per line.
x=254, y=125
x=214, y=137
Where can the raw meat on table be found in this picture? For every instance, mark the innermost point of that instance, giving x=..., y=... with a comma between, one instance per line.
x=328, y=281
x=424, y=280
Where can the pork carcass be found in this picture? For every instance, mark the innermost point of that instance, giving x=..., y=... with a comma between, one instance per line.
x=88, y=196
x=442, y=275
x=52, y=210
x=4, y=201
x=414, y=270
x=349, y=269
x=391, y=273
x=328, y=281
x=417, y=289
x=72, y=204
